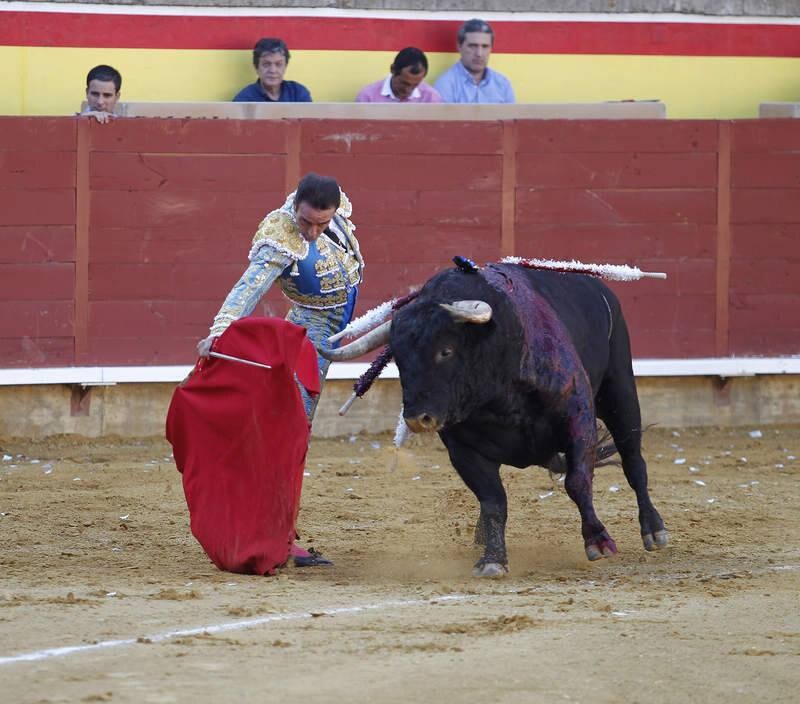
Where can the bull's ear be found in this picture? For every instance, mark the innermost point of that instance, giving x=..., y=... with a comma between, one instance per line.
x=479, y=312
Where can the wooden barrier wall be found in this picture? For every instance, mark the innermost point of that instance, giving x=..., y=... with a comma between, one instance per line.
x=118, y=242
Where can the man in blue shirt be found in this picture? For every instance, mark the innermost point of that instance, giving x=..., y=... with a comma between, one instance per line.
x=471, y=80
x=270, y=58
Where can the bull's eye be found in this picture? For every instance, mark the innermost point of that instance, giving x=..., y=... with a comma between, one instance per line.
x=444, y=354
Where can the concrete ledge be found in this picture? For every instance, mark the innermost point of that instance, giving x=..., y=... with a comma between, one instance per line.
x=138, y=410
x=779, y=110
x=615, y=110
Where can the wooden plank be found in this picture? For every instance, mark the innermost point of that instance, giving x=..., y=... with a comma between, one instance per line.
x=762, y=240
x=766, y=170
x=759, y=275
x=616, y=243
x=216, y=173
x=37, y=207
x=211, y=212
x=572, y=136
x=186, y=136
x=668, y=312
x=36, y=352
x=178, y=281
x=130, y=350
x=36, y=282
x=766, y=311
x=723, y=272
x=401, y=137
x=679, y=343
x=424, y=208
x=46, y=134
x=577, y=206
x=373, y=206
x=151, y=318
x=617, y=170
x=170, y=244
x=685, y=276
x=765, y=135
x=763, y=342
x=37, y=244
x=389, y=243
x=31, y=320
x=765, y=205
x=36, y=170
x=481, y=209
x=462, y=172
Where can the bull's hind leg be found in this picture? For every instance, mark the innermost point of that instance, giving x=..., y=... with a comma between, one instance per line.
x=617, y=404
x=482, y=476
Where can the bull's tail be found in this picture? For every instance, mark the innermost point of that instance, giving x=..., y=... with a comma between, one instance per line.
x=605, y=451
x=605, y=454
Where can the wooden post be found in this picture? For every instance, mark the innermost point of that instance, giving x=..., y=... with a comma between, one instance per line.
x=721, y=331
x=509, y=195
x=82, y=204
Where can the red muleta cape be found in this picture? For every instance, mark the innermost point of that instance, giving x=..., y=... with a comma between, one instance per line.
x=240, y=435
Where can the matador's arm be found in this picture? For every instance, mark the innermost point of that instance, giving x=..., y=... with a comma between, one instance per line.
x=266, y=265
x=276, y=244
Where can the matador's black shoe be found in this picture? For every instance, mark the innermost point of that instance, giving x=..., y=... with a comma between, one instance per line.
x=308, y=558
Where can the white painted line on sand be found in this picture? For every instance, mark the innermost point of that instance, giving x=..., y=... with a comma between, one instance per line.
x=63, y=651
x=47, y=653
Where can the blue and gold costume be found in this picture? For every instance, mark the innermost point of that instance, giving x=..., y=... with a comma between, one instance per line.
x=320, y=278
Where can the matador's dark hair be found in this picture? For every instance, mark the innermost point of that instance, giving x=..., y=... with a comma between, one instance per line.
x=320, y=192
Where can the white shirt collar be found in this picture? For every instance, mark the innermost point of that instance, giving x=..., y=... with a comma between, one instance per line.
x=387, y=90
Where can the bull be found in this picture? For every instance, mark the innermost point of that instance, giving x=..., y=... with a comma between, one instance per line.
x=511, y=365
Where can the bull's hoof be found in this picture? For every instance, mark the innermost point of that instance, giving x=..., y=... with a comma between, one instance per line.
x=655, y=540
x=489, y=569
x=601, y=549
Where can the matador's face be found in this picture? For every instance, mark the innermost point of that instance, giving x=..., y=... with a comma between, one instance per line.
x=312, y=221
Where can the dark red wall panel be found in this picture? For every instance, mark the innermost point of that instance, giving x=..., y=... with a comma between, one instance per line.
x=171, y=207
x=764, y=291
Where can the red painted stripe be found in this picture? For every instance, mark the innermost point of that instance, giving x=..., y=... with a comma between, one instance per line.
x=56, y=29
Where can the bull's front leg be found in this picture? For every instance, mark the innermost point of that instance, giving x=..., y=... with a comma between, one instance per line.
x=482, y=476
x=578, y=483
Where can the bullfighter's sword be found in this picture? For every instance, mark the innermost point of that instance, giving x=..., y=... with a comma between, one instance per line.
x=239, y=359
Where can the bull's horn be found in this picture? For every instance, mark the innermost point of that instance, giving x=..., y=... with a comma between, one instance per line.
x=372, y=340
x=469, y=311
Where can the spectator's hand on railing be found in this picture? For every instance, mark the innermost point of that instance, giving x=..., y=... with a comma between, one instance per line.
x=101, y=116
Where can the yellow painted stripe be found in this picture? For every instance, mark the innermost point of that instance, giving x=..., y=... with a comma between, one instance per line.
x=50, y=81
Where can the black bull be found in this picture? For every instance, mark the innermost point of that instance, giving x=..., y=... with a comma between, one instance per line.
x=519, y=378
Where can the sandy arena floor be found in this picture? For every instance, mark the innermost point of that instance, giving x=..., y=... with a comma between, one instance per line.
x=96, y=551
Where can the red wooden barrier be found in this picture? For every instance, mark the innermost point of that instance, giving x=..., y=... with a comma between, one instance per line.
x=118, y=242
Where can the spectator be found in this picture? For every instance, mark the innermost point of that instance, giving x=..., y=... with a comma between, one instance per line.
x=103, y=84
x=405, y=82
x=270, y=59
x=471, y=80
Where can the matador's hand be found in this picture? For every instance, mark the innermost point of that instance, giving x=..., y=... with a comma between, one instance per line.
x=204, y=346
